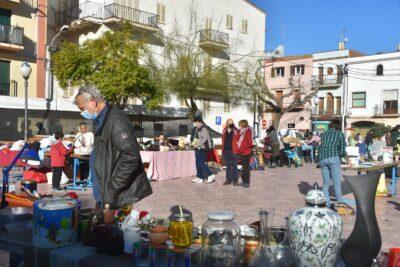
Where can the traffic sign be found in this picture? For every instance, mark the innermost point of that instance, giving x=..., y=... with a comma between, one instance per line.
x=218, y=120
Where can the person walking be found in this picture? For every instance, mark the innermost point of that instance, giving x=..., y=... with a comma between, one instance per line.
x=332, y=149
x=202, y=143
x=245, y=149
x=119, y=170
x=230, y=138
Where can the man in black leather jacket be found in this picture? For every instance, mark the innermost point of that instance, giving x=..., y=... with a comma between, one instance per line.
x=117, y=162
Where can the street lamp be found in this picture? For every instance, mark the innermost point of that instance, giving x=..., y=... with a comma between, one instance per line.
x=315, y=102
x=26, y=72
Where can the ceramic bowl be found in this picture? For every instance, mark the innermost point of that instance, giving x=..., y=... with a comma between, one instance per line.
x=158, y=238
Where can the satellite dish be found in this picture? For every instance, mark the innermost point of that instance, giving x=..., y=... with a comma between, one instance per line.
x=346, y=40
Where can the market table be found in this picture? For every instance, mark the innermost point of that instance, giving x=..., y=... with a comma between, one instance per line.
x=380, y=166
x=169, y=165
x=78, y=255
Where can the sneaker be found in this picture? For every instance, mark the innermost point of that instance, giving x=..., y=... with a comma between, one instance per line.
x=211, y=178
x=195, y=179
x=227, y=183
x=245, y=185
x=198, y=181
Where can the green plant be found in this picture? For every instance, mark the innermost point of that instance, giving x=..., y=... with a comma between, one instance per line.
x=380, y=129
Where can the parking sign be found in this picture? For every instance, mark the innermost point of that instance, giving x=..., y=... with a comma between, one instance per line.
x=218, y=120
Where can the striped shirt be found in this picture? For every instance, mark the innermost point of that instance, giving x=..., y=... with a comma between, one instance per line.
x=332, y=144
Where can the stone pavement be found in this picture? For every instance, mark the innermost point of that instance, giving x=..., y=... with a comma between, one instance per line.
x=279, y=190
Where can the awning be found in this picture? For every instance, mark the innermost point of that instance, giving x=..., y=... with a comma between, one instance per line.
x=141, y=113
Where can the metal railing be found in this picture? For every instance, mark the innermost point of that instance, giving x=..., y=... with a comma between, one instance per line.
x=9, y=89
x=329, y=112
x=130, y=14
x=99, y=11
x=11, y=34
x=214, y=36
x=81, y=11
x=330, y=80
x=380, y=110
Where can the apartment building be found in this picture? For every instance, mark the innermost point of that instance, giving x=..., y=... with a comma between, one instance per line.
x=227, y=29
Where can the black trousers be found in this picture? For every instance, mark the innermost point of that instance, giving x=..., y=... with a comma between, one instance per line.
x=246, y=168
x=57, y=172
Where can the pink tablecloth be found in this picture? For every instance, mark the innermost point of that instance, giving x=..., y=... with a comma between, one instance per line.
x=169, y=165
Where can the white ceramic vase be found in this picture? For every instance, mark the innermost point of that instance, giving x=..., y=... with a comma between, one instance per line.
x=315, y=232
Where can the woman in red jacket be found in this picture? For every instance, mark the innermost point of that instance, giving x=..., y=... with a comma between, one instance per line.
x=58, y=153
x=245, y=149
x=230, y=138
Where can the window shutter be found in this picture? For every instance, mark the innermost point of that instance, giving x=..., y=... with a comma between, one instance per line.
x=302, y=69
x=292, y=70
x=163, y=13
x=283, y=72
x=272, y=72
x=158, y=12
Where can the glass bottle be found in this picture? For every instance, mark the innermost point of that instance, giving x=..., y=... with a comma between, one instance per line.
x=284, y=251
x=180, y=230
x=263, y=257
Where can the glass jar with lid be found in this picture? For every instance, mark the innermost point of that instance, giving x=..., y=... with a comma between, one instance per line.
x=220, y=240
x=181, y=229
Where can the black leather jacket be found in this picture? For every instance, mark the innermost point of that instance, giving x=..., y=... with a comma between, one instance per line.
x=118, y=164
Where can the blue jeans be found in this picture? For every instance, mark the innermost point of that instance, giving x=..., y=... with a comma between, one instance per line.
x=331, y=171
x=231, y=162
x=202, y=169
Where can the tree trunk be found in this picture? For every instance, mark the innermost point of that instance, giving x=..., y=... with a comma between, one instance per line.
x=192, y=108
x=277, y=119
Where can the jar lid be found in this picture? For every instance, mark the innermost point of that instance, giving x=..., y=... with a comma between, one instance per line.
x=182, y=217
x=315, y=197
x=221, y=215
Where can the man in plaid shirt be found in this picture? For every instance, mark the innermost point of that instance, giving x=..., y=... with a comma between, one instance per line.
x=332, y=148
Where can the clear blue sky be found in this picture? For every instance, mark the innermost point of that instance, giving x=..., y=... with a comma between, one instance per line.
x=313, y=25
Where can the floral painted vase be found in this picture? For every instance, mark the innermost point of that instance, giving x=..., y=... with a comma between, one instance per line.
x=315, y=232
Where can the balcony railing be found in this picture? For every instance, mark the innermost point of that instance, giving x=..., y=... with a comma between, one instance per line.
x=379, y=110
x=9, y=89
x=330, y=80
x=214, y=37
x=99, y=11
x=11, y=34
x=82, y=11
x=329, y=112
x=130, y=14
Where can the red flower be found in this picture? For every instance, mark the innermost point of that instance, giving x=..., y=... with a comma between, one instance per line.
x=142, y=214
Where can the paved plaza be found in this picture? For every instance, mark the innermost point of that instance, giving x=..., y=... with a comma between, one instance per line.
x=279, y=190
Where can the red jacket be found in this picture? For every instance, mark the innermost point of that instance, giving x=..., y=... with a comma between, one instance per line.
x=58, y=153
x=246, y=146
x=235, y=139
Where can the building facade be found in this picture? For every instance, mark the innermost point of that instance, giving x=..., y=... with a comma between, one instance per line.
x=289, y=79
x=328, y=73
x=227, y=30
x=374, y=84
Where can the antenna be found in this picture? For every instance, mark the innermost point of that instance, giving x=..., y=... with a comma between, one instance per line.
x=283, y=34
x=343, y=37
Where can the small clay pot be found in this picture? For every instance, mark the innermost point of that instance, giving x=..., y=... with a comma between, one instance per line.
x=158, y=238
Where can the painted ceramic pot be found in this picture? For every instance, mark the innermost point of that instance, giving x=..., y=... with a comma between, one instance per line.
x=315, y=232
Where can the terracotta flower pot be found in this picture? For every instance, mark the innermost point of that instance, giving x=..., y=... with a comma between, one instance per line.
x=158, y=238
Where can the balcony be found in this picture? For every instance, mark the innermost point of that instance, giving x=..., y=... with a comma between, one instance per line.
x=328, y=113
x=9, y=89
x=383, y=111
x=213, y=39
x=11, y=38
x=329, y=81
x=141, y=20
x=88, y=14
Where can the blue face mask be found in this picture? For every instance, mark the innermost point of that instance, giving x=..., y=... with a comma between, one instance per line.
x=88, y=116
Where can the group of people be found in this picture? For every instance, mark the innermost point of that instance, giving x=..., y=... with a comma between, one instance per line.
x=237, y=145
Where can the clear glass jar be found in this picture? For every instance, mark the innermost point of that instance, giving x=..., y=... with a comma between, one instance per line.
x=220, y=237
x=180, y=230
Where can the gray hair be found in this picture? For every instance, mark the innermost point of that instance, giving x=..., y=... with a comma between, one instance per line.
x=88, y=92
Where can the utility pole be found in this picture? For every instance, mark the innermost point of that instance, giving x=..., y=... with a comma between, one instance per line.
x=344, y=96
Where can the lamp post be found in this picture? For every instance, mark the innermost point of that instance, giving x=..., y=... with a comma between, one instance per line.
x=315, y=102
x=26, y=72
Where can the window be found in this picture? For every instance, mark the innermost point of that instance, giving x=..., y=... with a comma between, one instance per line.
x=297, y=70
x=160, y=13
x=359, y=99
x=379, y=70
x=158, y=128
x=296, y=96
x=229, y=22
x=321, y=106
x=227, y=107
x=4, y=77
x=338, y=105
x=278, y=72
x=183, y=130
x=245, y=25
x=208, y=23
x=390, y=101
x=206, y=105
